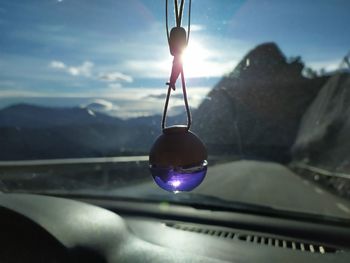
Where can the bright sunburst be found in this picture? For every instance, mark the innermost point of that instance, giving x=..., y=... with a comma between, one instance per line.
x=195, y=60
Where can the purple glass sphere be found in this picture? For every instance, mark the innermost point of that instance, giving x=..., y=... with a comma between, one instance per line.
x=179, y=179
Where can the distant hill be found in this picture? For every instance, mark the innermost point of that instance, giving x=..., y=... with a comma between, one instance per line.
x=34, y=132
x=255, y=111
x=31, y=116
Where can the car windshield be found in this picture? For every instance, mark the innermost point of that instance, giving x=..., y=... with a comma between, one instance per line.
x=83, y=87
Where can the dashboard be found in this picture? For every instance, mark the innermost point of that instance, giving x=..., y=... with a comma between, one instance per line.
x=38, y=228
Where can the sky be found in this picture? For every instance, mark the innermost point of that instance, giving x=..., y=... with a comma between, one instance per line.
x=114, y=52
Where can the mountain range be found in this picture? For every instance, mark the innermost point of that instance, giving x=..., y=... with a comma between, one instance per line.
x=254, y=112
x=33, y=132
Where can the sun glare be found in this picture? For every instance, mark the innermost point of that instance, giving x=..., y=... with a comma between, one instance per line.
x=199, y=62
x=195, y=60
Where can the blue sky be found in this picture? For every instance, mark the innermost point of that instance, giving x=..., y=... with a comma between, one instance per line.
x=78, y=51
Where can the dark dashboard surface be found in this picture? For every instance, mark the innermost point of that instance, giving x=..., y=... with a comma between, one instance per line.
x=49, y=229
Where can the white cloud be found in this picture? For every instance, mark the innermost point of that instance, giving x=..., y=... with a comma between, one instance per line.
x=57, y=64
x=136, y=102
x=85, y=69
x=327, y=65
x=197, y=27
x=10, y=93
x=193, y=69
x=114, y=85
x=149, y=68
x=115, y=76
x=122, y=103
x=100, y=105
x=82, y=70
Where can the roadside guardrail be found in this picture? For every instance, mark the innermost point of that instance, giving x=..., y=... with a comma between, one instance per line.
x=336, y=182
x=319, y=171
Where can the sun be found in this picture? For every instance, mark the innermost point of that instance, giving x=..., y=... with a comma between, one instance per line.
x=196, y=60
x=199, y=61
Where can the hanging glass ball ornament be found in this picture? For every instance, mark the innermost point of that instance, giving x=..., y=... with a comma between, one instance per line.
x=178, y=160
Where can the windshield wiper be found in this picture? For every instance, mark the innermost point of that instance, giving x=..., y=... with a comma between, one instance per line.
x=207, y=202
x=202, y=202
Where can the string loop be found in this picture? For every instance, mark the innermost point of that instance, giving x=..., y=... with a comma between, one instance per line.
x=176, y=51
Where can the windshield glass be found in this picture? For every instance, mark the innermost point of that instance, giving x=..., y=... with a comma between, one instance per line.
x=82, y=91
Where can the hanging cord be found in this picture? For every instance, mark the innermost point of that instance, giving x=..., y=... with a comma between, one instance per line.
x=180, y=13
x=178, y=19
x=178, y=23
x=166, y=21
x=189, y=21
x=188, y=112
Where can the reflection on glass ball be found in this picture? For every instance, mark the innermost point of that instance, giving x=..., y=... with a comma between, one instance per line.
x=178, y=179
x=178, y=160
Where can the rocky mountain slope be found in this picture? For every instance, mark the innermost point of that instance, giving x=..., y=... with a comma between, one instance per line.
x=255, y=111
x=323, y=137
